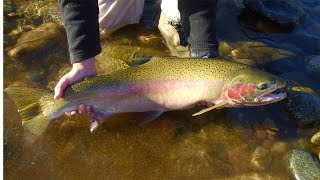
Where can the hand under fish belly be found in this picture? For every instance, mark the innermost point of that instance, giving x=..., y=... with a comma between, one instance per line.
x=162, y=84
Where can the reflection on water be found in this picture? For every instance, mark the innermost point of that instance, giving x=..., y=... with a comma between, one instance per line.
x=229, y=143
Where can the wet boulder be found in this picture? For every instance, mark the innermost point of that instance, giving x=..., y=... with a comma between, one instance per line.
x=258, y=52
x=313, y=66
x=303, y=105
x=285, y=13
x=40, y=43
x=301, y=164
x=37, y=12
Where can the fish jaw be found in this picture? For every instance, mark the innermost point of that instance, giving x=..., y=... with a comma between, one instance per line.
x=270, y=96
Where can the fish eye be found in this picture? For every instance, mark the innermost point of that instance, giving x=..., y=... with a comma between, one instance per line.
x=262, y=86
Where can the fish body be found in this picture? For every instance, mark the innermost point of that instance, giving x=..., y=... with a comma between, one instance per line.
x=162, y=84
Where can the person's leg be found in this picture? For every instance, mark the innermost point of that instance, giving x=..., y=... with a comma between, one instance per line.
x=198, y=24
x=114, y=14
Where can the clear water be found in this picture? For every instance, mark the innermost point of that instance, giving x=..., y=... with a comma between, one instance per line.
x=218, y=144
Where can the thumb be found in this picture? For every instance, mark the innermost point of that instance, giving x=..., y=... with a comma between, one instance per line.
x=58, y=90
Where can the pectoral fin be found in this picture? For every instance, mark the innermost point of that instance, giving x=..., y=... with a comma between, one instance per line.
x=96, y=119
x=218, y=105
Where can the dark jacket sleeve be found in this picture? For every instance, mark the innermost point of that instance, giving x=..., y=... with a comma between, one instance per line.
x=80, y=19
x=198, y=24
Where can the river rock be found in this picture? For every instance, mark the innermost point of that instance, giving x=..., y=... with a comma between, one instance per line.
x=248, y=62
x=271, y=128
x=8, y=7
x=313, y=66
x=286, y=13
x=256, y=176
x=44, y=41
x=279, y=148
x=20, y=29
x=260, y=159
x=301, y=164
x=207, y=152
x=303, y=104
x=239, y=158
x=259, y=52
x=316, y=139
x=38, y=12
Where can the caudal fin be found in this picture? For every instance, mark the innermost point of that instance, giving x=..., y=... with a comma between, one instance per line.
x=28, y=102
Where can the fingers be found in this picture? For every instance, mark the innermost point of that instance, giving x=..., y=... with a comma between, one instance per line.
x=62, y=84
x=82, y=109
x=88, y=109
x=71, y=113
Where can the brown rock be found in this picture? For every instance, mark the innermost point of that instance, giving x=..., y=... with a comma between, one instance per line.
x=39, y=43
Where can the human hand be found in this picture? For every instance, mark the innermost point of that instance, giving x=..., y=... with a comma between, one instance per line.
x=79, y=71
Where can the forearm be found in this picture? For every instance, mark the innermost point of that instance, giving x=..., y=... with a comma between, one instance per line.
x=81, y=23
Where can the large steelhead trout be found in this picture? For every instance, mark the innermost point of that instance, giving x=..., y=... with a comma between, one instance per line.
x=162, y=84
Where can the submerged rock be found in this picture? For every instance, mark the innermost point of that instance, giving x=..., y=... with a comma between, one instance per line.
x=42, y=42
x=38, y=12
x=279, y=148
x=301, y=164
x=8, y=7
x=259, y=52
x=303, y=105
x=248, y=62
x=313, y=66
x=256, y=176
x=114, y=56
x=21, y=29
x=239, y=158
x=286, y=13
x=206, y=152
x=260, y=159
x=316, y=139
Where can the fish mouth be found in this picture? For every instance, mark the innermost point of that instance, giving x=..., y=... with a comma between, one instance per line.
x=271, y=95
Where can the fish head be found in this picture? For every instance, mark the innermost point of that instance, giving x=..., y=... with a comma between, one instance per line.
x=253, y=88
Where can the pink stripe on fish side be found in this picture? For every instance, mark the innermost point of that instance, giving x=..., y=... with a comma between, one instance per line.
x=159, y=86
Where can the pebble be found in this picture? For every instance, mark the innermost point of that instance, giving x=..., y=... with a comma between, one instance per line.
x=316, y=139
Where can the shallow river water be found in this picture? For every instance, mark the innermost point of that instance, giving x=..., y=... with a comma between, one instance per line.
x=216, y=145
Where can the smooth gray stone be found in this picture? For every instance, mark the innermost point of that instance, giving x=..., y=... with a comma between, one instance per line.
x=302, y=165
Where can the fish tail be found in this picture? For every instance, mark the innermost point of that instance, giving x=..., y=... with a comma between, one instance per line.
x=29, y=107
